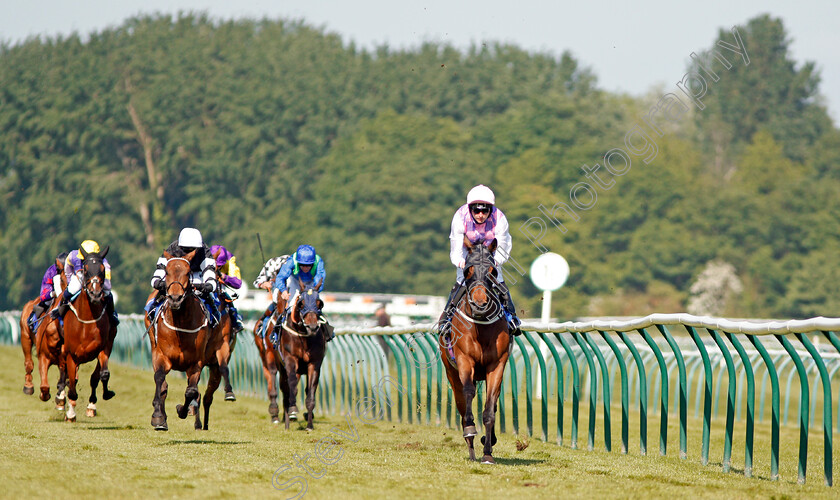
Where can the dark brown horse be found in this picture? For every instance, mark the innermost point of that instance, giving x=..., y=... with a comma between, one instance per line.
x=28, y=341
x=272, y=361
x=302, y=349
x=481, y=345
x=89, y=333
x=182, y=339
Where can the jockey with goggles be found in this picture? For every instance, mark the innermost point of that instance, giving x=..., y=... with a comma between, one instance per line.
x=74, y=273
x=480, y=221
x=202, y=272
x=307, y=266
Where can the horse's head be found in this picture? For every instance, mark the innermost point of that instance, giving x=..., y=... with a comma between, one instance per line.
x=480, y=274
x=308, y=306
x=177, y=278
x=93, y=270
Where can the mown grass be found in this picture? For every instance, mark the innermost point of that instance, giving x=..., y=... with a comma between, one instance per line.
x=118, y=455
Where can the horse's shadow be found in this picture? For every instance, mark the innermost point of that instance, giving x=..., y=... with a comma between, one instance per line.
x=517, y=461
x=172, y=442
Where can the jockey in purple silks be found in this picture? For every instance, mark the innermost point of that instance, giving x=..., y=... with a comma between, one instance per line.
x=229, y=277
x=74, y=272
x=50, y=288
x=480, y=222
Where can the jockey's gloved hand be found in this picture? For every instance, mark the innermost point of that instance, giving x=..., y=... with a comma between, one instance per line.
x=159, y=284
x=205, y=288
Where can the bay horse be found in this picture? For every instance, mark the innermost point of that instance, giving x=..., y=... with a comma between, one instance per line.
x=28, y=340
x=88, y=334
x=481, y=345
x=272, y=361
x=182, y=339
x=302, y=347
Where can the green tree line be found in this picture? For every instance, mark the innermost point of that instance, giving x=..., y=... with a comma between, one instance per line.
x=278, y=128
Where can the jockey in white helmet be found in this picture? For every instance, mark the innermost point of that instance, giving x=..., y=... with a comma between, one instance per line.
x=480, y=222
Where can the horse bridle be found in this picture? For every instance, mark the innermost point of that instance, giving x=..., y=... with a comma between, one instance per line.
x=304, y=310
x=487, y=281
x=186, y=289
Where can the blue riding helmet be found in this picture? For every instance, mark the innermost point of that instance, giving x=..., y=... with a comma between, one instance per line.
x=305, y=255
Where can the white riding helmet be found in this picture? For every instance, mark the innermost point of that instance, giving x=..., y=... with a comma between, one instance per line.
x=481, y=194
x=190, y=237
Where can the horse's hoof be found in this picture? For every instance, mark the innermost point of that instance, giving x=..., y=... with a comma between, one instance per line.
x=191, y=411
x=159, y=423
x=310, y=429
x=29, y=391
x=106, y=395
x=69, y=419
x=275, y=420
x=293, y=413
x=182, y=411
x=487, y=459
x=45, y=396
x=469, y=431
x=230, y=396
x=90, y=412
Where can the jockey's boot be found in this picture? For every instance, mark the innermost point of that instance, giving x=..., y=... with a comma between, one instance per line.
x=63, y=306
x=329, y=331
x=510, y=312
x=112, y=310
x=445, y=323
x=37, y=311
x=213, y=315
x=235, y=318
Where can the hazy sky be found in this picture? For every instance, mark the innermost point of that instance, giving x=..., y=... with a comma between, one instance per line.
x=631, y=46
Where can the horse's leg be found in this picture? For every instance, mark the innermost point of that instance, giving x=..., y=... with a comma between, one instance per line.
x=461, y=404
x=104, y=372
x=26, y=342
x=466, y=376
x=290, y=399
x=223, y=358
x=43, y=369
x=312, y=375
x=494, y=385
x=161, y=368
x=72, y=395
x=94, y=382
x=191, y=395
x=212, y=385
x=283, y=384
x=270, y=373
x=61, y=385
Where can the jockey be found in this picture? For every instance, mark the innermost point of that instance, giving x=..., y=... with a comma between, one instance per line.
x=265, y=280
x=50, y=288
x=480, y=221
x=74, y=272
x=229, y=276
x=305, y=265
x=202, y=271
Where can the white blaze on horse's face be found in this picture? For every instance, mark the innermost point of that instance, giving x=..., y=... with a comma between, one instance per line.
x=177, y=278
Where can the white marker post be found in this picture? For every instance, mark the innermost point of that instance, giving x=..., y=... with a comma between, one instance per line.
x=549, y=272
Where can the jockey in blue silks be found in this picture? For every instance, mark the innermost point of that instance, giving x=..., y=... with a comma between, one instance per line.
x=304, y=266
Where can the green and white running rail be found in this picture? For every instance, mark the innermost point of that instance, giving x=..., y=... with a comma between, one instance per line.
x=665, y=365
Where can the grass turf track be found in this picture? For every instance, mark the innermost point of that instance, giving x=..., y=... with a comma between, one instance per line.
x=118, y=455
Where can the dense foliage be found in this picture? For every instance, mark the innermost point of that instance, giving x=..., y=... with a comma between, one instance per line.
x=277, y=128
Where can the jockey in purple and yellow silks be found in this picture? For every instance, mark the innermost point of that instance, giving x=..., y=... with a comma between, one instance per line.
x=74, y=272
x=480, y=221
x=229, y=276
x=50, y=288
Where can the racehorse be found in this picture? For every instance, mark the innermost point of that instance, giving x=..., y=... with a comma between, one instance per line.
x=272, y=361
x=182, y=339
x=28, y=341
x=88, y=333
x=480, y=343
x=302, y=347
